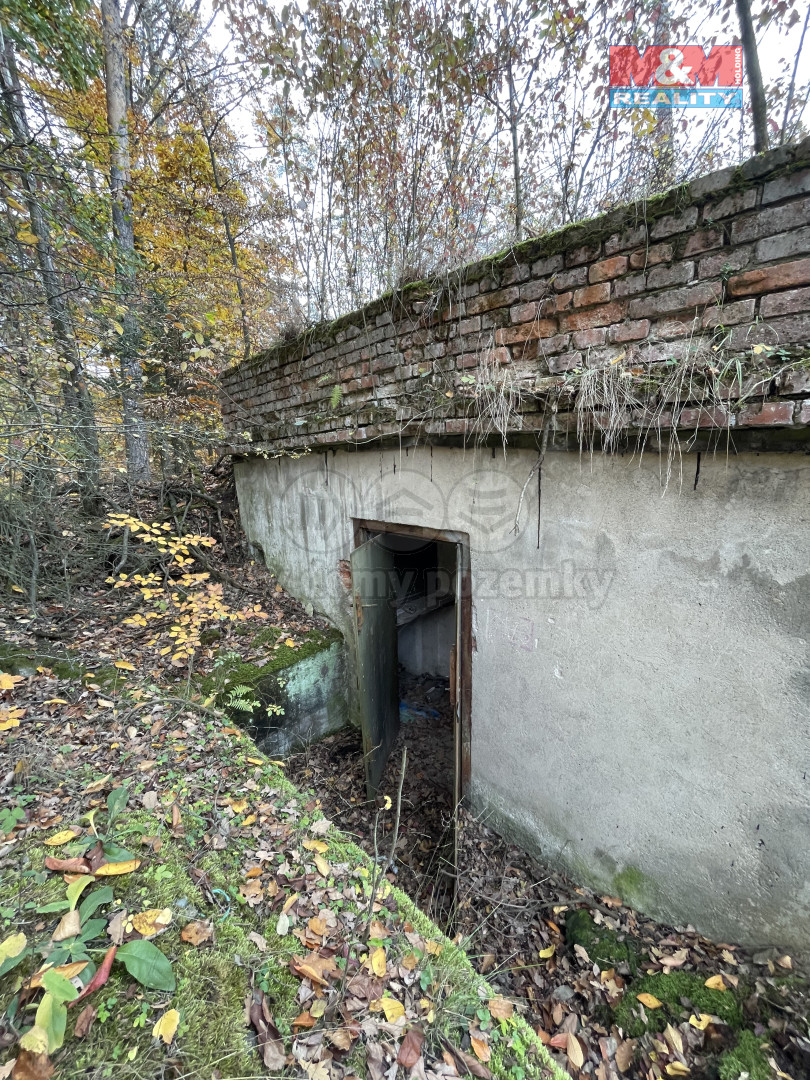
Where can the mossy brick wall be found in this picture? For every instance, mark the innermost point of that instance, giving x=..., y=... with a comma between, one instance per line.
x=723, y=259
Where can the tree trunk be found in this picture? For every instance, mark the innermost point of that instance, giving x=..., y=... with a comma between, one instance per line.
x=135, y=433
x=513, y=128
x=75, y=392
x=755, y=87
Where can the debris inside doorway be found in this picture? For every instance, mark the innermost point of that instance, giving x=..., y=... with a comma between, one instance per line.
x=334, y=767
x=612, y=993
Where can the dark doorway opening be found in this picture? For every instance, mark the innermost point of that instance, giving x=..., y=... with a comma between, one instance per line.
x=412, y=618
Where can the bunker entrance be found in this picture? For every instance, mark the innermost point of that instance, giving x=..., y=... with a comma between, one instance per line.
x=411, y=614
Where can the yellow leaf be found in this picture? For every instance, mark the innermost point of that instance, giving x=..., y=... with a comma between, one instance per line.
x=715, y=982
x=255, y=761
x=113, y=869
x=63, y=837
x=290, y=643
x=649, y=1000
x=239, y=806
x=166, y=1027
x=70, y=971
x=316, y=845
x=249, y=820
x=10, y=718
x=152, y=922
x=701, y=1021
x=500, y=1008
x=481, y=1049
x=97, y=785
x=433, y=948
x=324, y=869
x=56, y=701
x=35, y=1041
x=393, y=1009
x=677, y=1068
x=124, y=665
x=544, y=954
x=8, y=682
x=574, y=1050
x=12, y=946
x=377, y=962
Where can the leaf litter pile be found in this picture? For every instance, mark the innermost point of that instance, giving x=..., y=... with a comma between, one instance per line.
x=610, y=992
x=171, y=906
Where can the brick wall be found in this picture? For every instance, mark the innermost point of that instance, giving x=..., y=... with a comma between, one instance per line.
x=692, y=280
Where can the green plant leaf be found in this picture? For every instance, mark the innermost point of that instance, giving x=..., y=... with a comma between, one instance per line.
x=52, y=1018
x=58, y=986
x=75, y=890
x=116, y=801
x=146, y=963
x=92, y=928
x=57, y=905
x=93, y=902
x=115, y=853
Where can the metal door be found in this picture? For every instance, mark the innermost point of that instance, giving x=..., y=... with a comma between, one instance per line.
x=375, y=622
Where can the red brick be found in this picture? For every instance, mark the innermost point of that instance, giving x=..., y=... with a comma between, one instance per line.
x=769, y=414
x=564, y=362
x=585, y=254
x=703, y=240
x=628, y=286
x=786, y=330
x=592, y=294
x=705, y=418
x=584, y=339
x=785, y=303
x=727, y=260
x=540, y=328
x=502, y=356
x=778, y=219
x=663, y=276
x=521, y=313
x=534, y=290
x=645, y=257
x=804, y=414
x=797, y=183
x=736, y=203
x=541, y=347
x=783, y=245
x=571, y=278
x=513, y=274
x=670, y=329
x=599, y=316
x=607, y=269
x=630, y=238
x=729, y=314
x=488, y=301
x=469, y=326
x=666, y=303
x=675, y=223
x=771, y=277
x=630, y=331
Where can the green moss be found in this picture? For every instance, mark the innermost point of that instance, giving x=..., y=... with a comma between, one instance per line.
x=673, y=990
x=260, y=677
x=636, y=889
x=604, y=946
x=747, y=1061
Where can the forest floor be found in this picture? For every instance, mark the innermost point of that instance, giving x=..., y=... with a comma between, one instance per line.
x=171, y=906
x=217, y=922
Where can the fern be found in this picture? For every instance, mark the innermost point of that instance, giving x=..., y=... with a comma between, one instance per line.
x=335, y=396
x=241, y=698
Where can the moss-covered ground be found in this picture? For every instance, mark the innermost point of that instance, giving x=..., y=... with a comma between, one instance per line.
x=220, y=839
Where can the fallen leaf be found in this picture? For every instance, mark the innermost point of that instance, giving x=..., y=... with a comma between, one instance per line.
x=68, y=971
x=500, y=1008
x=324, y=869
x=676, y=959
x=255, y=760
x=100, y=977
x=468, y=1064
x=715, y=982
x=433, y=948
x=393, y=1009
x=283, y=924
x=411, y=1048
x=376, y=962
x=84, y=1021
x=115, y=929
x=785, y=962
x=63, y=837
x=673, y=1037
x=8, y=682
x=624, y=1054
x=113, y=869
x=543, y=1036
x=544, y=954
x=33, y=1066
x=69, y=926
x=676, y=1068
x=124, y=665
x=321, y=828
x=480, y=1049
x=150, y=800
x=409, y=961
x=258, y=941
x=152, y=922
x=166, y=1027
x=195, y=933
x=649, y=1000
x=12, y=946
x=316, y=845
x=97, y=785
x=67, y=866
x=701, y=1021
x=574, y=1051
x=271, y=1045
x=342, y=1038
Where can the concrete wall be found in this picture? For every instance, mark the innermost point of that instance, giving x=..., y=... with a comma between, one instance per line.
x=640, y=678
